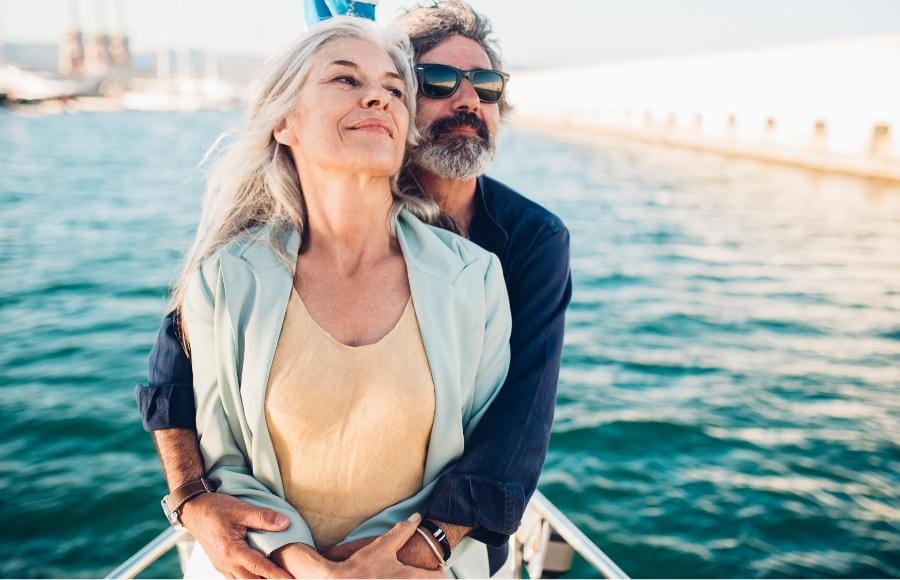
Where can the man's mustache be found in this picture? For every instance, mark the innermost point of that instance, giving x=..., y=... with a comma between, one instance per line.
x=462, y=119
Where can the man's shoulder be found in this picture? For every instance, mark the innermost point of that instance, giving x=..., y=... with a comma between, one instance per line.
x=515, y=213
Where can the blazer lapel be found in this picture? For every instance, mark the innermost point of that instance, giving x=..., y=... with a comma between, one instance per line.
x=261, y=285
x=432, y=269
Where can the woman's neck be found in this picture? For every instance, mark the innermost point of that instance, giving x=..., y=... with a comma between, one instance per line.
x=347, y=218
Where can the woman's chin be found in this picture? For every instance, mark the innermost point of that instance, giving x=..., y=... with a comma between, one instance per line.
x=376, y=165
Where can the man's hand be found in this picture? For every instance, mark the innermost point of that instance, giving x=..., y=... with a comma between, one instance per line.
x=379, y=558
x=416, y=552
x=220, y=523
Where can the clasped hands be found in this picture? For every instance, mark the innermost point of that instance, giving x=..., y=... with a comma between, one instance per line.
x=220, y=522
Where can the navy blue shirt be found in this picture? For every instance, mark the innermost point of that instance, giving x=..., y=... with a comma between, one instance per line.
x=490, y=485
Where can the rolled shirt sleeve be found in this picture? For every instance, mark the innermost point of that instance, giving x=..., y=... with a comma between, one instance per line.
x=167, y=400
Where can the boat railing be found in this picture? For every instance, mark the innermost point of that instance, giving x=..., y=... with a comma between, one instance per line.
x=543, y=546
x=153, y=551
x=542, y=522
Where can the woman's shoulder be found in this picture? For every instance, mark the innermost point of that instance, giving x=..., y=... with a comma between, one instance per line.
x=243, y=241
x=254, y=246
x=463, y=247
x=443, y=248
x=210, y=266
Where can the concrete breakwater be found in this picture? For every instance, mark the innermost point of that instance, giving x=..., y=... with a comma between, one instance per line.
x=831, y=105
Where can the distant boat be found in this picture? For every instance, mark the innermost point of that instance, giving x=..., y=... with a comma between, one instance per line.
x=184, y=92
x=24, y=87
x=180, y=95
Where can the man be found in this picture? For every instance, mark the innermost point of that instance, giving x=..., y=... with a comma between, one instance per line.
x=459, y=109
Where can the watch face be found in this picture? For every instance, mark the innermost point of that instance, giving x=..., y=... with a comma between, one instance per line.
x=170, y=515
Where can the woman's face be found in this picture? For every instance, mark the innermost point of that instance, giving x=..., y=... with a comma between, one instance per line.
x=350, y=115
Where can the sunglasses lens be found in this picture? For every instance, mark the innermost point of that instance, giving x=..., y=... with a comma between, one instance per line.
x=488, y=85
x=439, y=81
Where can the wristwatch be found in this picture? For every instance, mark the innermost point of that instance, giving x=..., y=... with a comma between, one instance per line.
x=172, y=503
x=436, y=532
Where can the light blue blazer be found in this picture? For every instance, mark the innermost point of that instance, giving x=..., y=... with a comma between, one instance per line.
x=234, y=309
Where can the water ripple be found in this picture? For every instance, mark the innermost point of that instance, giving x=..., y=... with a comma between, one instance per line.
x=729, y=403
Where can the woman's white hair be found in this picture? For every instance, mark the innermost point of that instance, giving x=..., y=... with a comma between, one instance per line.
x=254, y=181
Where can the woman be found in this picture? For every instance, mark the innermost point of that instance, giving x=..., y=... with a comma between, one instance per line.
x=342, y=349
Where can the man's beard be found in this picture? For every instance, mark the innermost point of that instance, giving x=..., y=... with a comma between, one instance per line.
x=453, y=155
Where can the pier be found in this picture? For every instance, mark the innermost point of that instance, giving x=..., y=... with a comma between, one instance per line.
x=831, y=105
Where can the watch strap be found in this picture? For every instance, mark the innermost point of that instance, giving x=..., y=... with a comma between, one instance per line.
x=439, y=535
x=188, y=491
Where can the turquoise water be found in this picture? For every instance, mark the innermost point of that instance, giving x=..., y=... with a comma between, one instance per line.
x=730, y=398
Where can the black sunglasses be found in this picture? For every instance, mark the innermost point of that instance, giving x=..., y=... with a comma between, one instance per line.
x=439, y=81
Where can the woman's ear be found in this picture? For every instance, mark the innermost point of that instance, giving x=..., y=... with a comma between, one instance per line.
x=283, y=134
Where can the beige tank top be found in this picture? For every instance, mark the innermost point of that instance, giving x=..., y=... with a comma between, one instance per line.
x=350, y=425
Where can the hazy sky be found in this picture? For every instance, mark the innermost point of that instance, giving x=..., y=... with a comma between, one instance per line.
x=532, y=32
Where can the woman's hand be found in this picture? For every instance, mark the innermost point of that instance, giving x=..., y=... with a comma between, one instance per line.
x=379, y=558
x=343, y=551
x=302, y=561
x=414, y=553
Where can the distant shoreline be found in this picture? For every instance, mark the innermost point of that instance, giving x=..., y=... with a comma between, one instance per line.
x=861, y=167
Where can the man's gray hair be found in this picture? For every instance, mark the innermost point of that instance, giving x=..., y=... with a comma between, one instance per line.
x=432, y=22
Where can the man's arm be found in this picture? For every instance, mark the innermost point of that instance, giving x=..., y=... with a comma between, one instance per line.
x=167, y=401
x=490, y=485
x=179, y=454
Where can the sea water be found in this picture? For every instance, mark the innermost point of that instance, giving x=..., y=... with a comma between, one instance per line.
x=729, y=404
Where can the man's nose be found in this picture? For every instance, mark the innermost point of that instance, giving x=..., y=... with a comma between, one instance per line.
x=465, y=98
